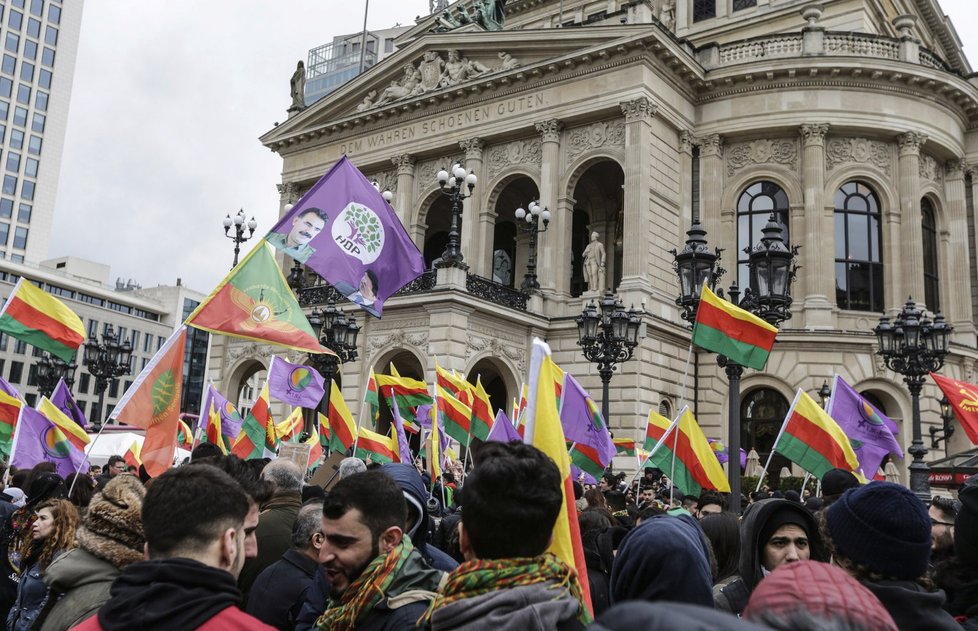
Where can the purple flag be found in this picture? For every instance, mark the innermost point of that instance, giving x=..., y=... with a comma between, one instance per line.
x=230, y=417
x=582, y=422
x=869, y=430
x=63, y=400
x=39, y=440
x=9, y=389
x=582, y=476
x=402, y=444
x=346, y=232
x=423, y=414
x=502, y=430
x=723, y=456
x=297, y=385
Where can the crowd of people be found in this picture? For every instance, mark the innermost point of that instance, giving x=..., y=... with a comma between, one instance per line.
x=220, y=543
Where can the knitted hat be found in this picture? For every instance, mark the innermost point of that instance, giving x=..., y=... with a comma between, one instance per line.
x=884, y=527
x=966, y=527
x=823, y=590
x=113, y=527
x=838, y=481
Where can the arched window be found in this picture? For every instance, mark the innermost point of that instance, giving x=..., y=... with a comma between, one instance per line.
x=858, y=250
x=754, y=208
x=762, y=412
x=928, y=229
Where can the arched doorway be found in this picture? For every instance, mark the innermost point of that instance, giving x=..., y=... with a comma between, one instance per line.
x=493, y=383
x=507, y=239
x=762, y=413
x=407, y=365
x=438, y=222
x=599, y=197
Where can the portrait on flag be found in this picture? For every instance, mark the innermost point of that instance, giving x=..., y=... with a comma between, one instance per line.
x=346, y=232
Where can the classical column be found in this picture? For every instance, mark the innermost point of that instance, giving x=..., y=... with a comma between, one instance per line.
x=637, y=237
x=720, y=229
x=911, y=239
x=552, y=271
x=405, y=189
x=817, y=262
x=955, y=276
x=685, y=180
x=288, y=193
x=477, y=253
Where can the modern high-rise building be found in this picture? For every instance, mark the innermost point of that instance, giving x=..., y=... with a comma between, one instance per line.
x=37, y=67
x=331, y=65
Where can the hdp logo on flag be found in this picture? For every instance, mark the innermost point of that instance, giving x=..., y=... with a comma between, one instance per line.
x=359, y=232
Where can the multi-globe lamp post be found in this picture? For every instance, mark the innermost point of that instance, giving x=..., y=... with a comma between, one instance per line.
x=240, y=224
x=50, y=370
x=451, y=184
x=337, y=332
x=106, y=361
x=771, y=270
x=529, y=221
x=913, y=346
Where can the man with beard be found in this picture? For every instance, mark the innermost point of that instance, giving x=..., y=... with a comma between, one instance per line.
x=193, y=521
x=942, y=512
x=305, y=227
x=377, y=579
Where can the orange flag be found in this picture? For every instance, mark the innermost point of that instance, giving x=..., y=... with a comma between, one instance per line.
x=543, y=431
x=152, y=402
x=963, y=397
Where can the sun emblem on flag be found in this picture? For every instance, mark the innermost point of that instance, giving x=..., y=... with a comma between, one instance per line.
x=265, y=306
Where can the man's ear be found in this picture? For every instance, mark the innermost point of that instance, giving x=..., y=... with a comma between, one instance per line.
x=146, y=551
x=229, y=548
x=389, y=539
x=317, y=541
x=464, y=544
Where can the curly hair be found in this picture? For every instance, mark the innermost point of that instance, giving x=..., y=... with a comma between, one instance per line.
x=856, y=570
x=63, y=536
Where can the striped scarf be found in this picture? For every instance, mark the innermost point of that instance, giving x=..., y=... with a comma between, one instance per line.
x=474, y=578
x=366, y=592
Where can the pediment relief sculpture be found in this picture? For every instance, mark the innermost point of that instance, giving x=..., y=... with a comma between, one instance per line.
x=434, y=72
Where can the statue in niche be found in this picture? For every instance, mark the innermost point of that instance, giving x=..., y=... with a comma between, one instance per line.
x=400, y=89
x=667, y=14
x=594, y=263
x=502, y=267
x=297, y=88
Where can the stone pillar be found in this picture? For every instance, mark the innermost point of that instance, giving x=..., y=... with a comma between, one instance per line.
x=551, y=271
x=637, y=237
x=685, y=181
x=404, y=197
x=288, y=193
x=720, y=229
x=911, y=241
x=955, y=274
x=816, y=255
x=473, y=247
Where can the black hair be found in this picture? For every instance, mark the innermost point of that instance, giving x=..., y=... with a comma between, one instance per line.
x=205, y=450
x=373, y=280
x=312, y=209
x=373, y=493
x=616, y=500
x=514, y=488
x=723, y=532
x=186, y=509
x=712, y=498
x=244, y=472
x=947, y=506
x=113, y=460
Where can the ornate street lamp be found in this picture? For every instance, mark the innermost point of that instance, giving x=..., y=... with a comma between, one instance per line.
x=695, y=264
x=451, y=184
x=913, y=346
x=106, y=361
x=533, y=219
x=608, y=337
x=50, y=370
x=945, y=432
x=771, y=266
x=238, y=221
x=338, y=333
x=824, y=394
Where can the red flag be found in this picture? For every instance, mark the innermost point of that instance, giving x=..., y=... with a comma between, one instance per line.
x=153, y=403
x=963, y=397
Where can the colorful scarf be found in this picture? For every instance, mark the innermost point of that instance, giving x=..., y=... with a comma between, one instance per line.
x=474, y=578
x=367, y=591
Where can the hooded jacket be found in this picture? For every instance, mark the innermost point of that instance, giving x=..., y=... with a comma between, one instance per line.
x=913, y=607
x=734, y=595
x=173, y=594
x=665, y=558
x=84, y=580
x=408, y=478
x=642, y=616
x=538, y=607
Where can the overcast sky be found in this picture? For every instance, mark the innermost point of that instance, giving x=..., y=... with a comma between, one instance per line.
x=168, y=102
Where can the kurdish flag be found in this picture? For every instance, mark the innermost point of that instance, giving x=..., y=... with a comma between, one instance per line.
x=255, y=303
x=655, y=430
x=372, y=397
x=482, y=416
x=685, y=455
x=315, y=449
x=624, y=446
x=544, y=432
x=291, y=426
x=455, y=416
x=258, y=438
x=373, y=446
x=212, y=430
x=9, y=411
x=724, y=328
x=230, y=418
x=185, y=437
x=433, y=451
x=153, y=403
x=132, y=456
x=34, y=316
x=342, y=429
x=450, y=381
x=812, y=440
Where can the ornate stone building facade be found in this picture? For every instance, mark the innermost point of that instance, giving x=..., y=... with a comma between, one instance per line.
x=852, y=121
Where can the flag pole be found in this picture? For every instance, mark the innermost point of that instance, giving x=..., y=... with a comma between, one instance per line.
x=91, y=446
x=774, y=447
x=672, y=473
x=804, y=482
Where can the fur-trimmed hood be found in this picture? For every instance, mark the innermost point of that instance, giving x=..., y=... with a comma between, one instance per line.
x=113, y=526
